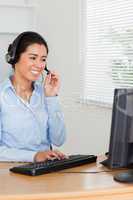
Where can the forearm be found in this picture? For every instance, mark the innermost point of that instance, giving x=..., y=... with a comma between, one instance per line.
x=13, y=154
x=57, y=130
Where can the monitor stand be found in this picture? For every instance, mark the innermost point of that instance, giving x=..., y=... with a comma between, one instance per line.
x=105, y=162
x=124, y=177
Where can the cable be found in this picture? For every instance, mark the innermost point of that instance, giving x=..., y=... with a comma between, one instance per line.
x=87, y=172
x=93, y=172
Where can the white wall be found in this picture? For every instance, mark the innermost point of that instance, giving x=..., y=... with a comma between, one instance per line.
x=15, y=17
x=88, y=127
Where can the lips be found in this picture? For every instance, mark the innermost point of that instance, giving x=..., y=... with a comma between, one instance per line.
x=35, y=72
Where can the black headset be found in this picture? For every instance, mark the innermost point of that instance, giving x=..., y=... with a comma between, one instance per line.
x=11, y=54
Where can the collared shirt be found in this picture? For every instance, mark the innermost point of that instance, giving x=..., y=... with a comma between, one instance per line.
x=28, y=127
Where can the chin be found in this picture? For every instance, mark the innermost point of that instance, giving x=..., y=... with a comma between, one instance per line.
x=34, y=77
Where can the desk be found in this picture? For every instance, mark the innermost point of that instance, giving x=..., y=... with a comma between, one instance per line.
x=63, y=186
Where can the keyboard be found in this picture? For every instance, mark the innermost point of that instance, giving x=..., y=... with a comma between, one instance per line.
x=38, y=168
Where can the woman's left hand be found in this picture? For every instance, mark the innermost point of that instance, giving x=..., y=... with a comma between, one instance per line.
x=51, y=84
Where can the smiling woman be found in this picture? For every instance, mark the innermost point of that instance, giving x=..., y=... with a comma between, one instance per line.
x=30, y=115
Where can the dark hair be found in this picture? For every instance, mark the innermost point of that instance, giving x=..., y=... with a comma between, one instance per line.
x=27, y=40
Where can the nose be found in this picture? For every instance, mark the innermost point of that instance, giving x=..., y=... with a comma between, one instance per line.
x=39, y=65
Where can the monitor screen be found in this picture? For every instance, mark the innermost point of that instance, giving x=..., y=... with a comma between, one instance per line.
x=121, y=138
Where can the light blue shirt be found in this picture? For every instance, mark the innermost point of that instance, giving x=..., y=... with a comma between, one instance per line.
x=28, y=127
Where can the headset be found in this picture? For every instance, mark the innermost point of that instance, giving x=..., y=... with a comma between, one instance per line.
x=12, y=49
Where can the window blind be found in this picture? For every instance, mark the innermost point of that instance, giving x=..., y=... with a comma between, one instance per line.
x=107, y=49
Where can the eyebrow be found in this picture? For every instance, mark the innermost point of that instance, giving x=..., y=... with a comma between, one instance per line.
x=34, y=54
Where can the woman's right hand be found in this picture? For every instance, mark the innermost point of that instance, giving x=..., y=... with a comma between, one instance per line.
x=48, y=155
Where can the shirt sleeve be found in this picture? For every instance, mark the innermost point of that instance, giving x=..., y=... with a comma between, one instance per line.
x=56, y=125
x=13, y=154
x=16, y=155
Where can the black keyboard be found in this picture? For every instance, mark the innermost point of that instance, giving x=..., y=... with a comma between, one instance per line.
x=38, y=168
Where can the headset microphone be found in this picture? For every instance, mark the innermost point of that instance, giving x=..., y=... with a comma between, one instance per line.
x=47, y=70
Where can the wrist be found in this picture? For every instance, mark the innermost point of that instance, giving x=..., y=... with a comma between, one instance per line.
x=51, y=95
x=35, y=157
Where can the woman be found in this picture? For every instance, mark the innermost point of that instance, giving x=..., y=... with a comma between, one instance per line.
x=31, y=119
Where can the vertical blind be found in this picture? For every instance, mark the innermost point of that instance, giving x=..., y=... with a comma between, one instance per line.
x=107, y=48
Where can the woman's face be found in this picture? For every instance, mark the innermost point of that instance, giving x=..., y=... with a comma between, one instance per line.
x=32, y=62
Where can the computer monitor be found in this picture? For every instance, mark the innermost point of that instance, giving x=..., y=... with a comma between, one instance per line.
x=121, y=139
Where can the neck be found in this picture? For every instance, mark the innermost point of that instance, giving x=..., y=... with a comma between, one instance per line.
x=21, y=83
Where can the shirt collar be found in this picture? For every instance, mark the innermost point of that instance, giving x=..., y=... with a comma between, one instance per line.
x=8, y=84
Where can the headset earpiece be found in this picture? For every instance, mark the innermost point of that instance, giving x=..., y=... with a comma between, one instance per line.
x=9, y=55
x=8, y=58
